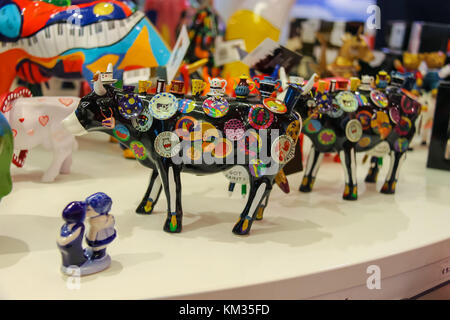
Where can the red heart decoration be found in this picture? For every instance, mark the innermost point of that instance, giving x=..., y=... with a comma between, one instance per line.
x=43, y=120
x=66, y=101
x=22, y=119
x=14, y=131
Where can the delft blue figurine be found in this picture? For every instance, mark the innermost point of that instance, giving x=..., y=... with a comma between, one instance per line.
x=101, y=233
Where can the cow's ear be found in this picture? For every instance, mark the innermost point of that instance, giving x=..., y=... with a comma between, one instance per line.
x=95, y=77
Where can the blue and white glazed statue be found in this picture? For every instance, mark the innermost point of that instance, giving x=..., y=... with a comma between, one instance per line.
x=101, y=232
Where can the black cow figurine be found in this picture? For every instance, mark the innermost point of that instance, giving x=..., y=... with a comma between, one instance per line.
x=173, y=132
x=362, y=119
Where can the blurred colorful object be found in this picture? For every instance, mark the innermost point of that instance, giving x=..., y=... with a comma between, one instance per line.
x=203, y=32
x=253, y=21
x=6, y=153
x=41, y=39
x=166, y=16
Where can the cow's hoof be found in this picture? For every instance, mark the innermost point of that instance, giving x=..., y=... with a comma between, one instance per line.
x=173, y=224
x=350, y=193
x=242, y=227
x=388, y=188
x=371, y=177
x=145, y=207
x=48, y=177
x=307, y=184
x=128, y=154
x=260, y=213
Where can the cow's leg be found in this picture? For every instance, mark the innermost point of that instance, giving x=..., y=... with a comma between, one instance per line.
x=397, y=159
x=262, y=206
x=170, y=178
x=151, y=195
x=348, y=161
x=62, y=145
x=259, y=189
x=312, y=166
x=375, y=164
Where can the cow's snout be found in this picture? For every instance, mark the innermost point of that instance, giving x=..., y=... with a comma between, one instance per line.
x=73, y=125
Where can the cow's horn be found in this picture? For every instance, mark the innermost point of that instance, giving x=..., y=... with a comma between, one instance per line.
x=310, y=84
x=99, y=89
x=109, y=68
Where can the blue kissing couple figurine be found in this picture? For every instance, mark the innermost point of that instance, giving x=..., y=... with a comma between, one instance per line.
x=101, y=233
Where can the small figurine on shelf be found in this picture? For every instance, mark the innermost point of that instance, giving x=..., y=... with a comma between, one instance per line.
x=101, y=231
x=382, y=79
x=75, y=258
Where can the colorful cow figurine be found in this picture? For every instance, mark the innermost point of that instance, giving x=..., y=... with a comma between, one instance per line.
x=37, y=120
x=200, y=135
x=358, y=120
x=6, y=153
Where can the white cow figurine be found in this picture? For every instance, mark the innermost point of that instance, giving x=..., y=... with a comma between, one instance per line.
x=37, y=120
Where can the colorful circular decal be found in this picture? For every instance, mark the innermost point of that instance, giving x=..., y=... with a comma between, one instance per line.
x=250, y=144
x=353, y=130
x=394, y=113
x=362, y=99
x=293, y=129
x=259, y=117
x=234, y=129
x=401, y=145
x=186, y=105
x=222, y=148
x=379, y=99
x=257, y=168
x=364, y=141
x=163, y=106
x=216, y=107
x=312, y=126
x=130, y=106
x=283, y=149
x=347, y=101
x=364, y=118
x=138, y=150
x=142, y=122
x=185, y=126
x=121, y=132
x=409, y=106
x=167, y=144
x=403, y=127
x=380, y=124
x=326, y=137
x=335, y=112
x=275, y=105
x=323, y=101
x=237, y=174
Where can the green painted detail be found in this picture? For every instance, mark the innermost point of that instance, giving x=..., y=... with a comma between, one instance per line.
x=6, y=153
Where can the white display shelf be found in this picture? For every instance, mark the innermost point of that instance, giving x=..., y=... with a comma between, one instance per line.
x=308, y=245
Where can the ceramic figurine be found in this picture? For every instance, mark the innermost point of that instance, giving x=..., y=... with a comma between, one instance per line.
x=410, y=65
x=37, y=120
x=346, y=64
x=217, y=87
x=349, y=122
x=242, y=89
x=434, y=62
x=382, y=80
x=267, y=86
x=6, y=154
x=100, y=234
x=40, y=39
x=198, y=136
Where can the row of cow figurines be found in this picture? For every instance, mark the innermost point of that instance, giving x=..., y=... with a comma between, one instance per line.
x=351, y=120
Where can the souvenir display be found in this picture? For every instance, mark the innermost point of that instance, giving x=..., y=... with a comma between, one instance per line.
x=217, y=87
x=77, y=259
x=379, y=123
x=75, y=41
x=267, y=86
x=199, y=141
x=37, y=121
x=6, y=154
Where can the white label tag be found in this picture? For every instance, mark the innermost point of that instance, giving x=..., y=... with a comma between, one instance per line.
x=178, y=53
x=227, y=51
x=133, y=76
x=264, y=49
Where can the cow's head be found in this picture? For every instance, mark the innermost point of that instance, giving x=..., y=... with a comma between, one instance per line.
x=306, y=99
x=93, y=109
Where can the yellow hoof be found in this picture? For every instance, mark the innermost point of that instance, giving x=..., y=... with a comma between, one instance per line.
x=113, y=140
x=128, y=154
x=260, y=213
x=148, y=206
